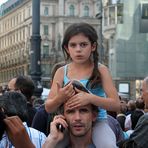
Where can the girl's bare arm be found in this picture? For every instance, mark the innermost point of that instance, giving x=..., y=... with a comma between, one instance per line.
x=111, y=103
x=58, y=94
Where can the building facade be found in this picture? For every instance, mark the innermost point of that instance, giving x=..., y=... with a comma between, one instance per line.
x=125, y=29
x=16, y=31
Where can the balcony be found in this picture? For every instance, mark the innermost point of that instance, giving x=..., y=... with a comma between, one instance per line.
x=112, y=15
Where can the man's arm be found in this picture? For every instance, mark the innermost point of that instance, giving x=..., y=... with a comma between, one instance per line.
x=17, y=133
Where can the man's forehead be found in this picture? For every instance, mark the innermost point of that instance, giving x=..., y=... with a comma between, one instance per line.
x=66, y=108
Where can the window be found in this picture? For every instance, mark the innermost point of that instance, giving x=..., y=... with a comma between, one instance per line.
x=86, y=11
x=72, y=10
x=45, y=51
x=45, y=29
x=46, y=70
x=46, y=11
x=144, y=11
x=120, y=14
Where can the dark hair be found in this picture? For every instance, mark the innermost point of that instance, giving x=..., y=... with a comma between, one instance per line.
x=88, y=31
x=25, y=85
x=14, y=103
x=140, y=104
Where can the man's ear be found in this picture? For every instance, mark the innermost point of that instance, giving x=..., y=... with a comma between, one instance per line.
x=94, y=117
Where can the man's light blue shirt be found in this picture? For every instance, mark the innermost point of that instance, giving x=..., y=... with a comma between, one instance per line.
x=38, y=138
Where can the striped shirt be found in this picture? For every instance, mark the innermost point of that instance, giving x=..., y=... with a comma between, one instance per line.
x=38, y=138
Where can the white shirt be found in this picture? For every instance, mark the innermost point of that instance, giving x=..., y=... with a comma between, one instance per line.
x=38, y=138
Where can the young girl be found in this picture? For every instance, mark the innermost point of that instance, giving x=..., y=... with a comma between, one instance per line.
x=80, y=48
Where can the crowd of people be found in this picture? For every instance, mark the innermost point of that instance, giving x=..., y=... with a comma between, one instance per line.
x=83, y=108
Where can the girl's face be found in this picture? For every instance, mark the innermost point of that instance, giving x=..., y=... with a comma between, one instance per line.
x=80, y=48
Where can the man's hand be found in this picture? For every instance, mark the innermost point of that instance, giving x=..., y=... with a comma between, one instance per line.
x=17, y=133
x=55, y=135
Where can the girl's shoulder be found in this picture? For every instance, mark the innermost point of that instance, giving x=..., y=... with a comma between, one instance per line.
x=102, y=66
x=59, y=72
x=103, y=69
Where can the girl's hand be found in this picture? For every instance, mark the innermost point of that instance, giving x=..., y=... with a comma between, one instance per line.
x=81, y=98
x=66, y=92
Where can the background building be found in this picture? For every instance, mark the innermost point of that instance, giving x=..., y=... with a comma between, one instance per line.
x=125, y=27
x=16, y=31
x=125, y=37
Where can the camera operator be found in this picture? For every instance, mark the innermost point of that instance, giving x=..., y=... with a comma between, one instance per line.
x=14, y=133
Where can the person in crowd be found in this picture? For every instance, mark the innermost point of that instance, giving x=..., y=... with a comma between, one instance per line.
x=121, y=115
x=135, y=115
x=140, y=104
x=144, y=92
x=11, y=84
x=1, y=90
x=17, y=133
x=80, y=50
x=37, y=103
x=78, y=121
x=131, y=105
x=139, y=138
x=115, y=126
x=25, y=85
x=15, y=104
x=41, y=114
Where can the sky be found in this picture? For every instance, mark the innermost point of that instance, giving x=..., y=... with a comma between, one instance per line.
x=2, y=1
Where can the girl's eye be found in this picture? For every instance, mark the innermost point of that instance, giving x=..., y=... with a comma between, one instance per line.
x=83, y=45
x=72, y=45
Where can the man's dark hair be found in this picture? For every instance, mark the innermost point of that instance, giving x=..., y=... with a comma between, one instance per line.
x=25, y=85
x=140, y=104
x=12, y=104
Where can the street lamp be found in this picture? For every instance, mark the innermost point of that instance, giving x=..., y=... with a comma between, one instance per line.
x=100, y=35
x=35, y=57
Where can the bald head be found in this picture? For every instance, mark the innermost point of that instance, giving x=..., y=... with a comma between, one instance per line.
x=11, y=84
x=145, y=81
x=145, y=92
